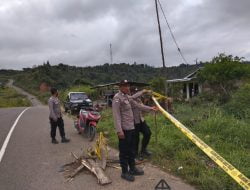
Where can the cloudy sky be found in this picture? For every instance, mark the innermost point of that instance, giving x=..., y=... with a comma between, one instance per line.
x=78, y=32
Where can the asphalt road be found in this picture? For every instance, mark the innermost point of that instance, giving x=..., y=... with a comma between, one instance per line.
x=31, y=162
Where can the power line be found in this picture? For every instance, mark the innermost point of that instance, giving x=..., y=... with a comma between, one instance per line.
x=172, y=34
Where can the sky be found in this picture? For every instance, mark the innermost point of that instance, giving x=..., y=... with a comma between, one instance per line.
x=79, y=32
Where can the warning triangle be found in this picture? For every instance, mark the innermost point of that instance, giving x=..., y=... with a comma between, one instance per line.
x=162, y=185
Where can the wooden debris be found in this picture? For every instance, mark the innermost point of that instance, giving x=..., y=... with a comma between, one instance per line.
x=93, y=167
x=104, y=158
x=95, y=162
x=74, y=156
x=114, y=166
x=113, y=161
x=73, y=168
x=99, y=172
x=76, y=171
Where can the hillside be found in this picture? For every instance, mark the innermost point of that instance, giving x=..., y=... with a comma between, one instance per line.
x=64, y=76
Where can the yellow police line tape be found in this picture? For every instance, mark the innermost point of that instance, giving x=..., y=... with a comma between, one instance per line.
x=158, y=96
x=226, y=166
x=100, y=148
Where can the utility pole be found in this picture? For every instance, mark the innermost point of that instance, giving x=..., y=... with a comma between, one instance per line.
x=111, y=54
x=196, y=61
x=159, y=27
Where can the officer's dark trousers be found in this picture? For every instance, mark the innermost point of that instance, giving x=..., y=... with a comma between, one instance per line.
x=54, y=124
x=146, y=132
x=127, y=154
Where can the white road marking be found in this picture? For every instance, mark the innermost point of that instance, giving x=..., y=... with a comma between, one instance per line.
x=6, y=141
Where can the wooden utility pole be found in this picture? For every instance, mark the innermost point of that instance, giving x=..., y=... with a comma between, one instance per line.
x=159, y=27
x=111, y=54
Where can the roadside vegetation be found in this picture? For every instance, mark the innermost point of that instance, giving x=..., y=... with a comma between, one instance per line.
x=10, y=98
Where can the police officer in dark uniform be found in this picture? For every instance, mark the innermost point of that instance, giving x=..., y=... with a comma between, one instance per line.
x=140, y=127
x=124, y=124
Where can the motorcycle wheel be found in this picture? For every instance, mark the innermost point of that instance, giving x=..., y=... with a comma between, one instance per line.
x=91, y=132
x=66, y=110
x=76, y=126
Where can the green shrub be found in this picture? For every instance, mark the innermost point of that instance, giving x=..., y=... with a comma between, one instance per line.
x=158, y=85
x=10, y=98
x=43, y=96
x=222, y=74
x=239, y=105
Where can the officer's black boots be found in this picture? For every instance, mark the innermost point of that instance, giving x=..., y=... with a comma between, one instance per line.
x=54, y=141
x=139, y=157
x=136, y=171
x=65, y=140
x=145, y=153
x=127, y=176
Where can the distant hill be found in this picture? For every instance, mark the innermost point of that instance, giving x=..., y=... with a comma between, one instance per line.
x=63, y=76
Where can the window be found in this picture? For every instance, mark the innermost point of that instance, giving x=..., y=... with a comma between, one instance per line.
x=78, y=96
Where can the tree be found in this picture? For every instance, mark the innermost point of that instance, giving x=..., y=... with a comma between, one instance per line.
x=158, y=85
x=222, y=74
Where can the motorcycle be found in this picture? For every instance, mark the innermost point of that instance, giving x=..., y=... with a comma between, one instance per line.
x=86, y=122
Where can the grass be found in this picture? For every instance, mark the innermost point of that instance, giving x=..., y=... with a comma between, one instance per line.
x=227, y=135
x=44, y=96
x=10, y=98
x=41, y=96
